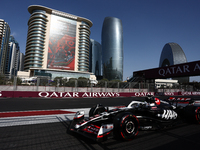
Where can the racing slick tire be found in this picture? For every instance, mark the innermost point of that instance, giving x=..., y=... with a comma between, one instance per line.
x=197, y=114
x=191, y=114
x=97, y=109
x=126, y=126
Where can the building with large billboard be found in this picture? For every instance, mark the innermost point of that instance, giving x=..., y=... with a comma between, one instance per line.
x=112, y=48
x=57, y=44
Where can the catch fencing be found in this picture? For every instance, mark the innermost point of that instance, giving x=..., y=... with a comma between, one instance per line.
x=80, y=85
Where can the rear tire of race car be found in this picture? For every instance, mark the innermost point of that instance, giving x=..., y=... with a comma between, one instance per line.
x=97, y=109
x=197, y=115
x=191, y=114
x=126, y=126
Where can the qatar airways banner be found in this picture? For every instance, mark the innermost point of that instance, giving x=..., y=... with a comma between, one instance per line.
x=46, y=94
x=180, y=70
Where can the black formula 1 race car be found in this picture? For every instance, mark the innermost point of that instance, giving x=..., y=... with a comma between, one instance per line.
x=125, y=122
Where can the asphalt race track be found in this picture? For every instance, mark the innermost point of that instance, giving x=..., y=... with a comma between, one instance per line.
x=49, y=131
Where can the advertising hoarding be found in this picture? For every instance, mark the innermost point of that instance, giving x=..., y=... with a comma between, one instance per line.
x=179, y=70
x=62, y=41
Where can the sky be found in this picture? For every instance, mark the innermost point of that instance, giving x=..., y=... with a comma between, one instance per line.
x=147, y=25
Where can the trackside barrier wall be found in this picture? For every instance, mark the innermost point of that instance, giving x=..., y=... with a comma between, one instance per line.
x=45, y=94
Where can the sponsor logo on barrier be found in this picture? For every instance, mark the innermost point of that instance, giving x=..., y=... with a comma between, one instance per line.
x=144, y=93
x=169, y=93
x=190, y=93
x=58, y=94
x=100, y=94
x=77, y=94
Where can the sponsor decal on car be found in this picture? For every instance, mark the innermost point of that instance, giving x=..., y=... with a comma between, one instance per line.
x=168, y=114
x=105, y=130
x=94, y=129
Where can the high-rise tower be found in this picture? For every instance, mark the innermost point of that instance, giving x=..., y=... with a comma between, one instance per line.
x=96, y=58
x=57, y=43
x=4, y=43
x=13, y=61
x=172, y=54
x=112, y=48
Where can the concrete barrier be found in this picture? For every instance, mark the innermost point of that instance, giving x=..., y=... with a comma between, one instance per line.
x=46, y=94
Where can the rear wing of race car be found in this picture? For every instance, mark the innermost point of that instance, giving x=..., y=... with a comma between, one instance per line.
x=183, y=100
x=180, y=100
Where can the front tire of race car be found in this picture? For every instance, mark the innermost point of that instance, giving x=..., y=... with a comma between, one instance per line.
x=126, y=126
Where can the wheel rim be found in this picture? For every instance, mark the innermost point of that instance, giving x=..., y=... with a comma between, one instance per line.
x=130, y=127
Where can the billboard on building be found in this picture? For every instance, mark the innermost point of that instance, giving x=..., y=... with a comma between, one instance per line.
x=62, y=41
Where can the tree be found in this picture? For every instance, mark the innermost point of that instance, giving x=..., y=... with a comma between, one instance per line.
x=101, y=83
x=71, y=82
x=2, y=79
x=113, y=83
x=83, y=82
x=58, y=81
x=19, y=81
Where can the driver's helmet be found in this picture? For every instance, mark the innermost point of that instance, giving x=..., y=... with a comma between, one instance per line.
x=150, y=99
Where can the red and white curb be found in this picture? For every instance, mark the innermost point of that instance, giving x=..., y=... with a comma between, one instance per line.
x=37, y=117
x=40, y=116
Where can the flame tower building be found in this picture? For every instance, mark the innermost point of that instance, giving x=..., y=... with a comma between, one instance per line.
x=112, y=48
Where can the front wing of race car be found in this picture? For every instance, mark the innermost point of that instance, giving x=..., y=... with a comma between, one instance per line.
x=89, y=127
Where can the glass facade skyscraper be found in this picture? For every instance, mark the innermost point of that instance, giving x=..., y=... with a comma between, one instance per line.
x=95, y=58
x=13, y=58
x=112, y=48
x=173, y=54
x=4, y=43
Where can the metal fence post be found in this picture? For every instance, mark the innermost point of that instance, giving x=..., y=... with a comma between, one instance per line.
x=15, y=83
x=91, y=87
x=38, y=83
x=118, y=86
x=76, y=84
x=139, y=87
x=105, y=86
